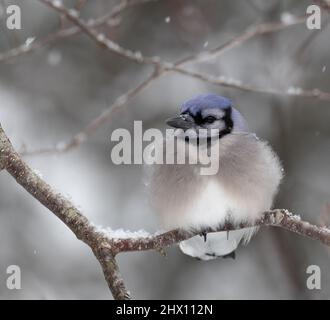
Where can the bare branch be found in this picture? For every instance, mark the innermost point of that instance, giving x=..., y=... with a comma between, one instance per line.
x=162, y=67
x=111, y=19
x=325, y=4
x=104, y=117
x=251, y=32
x=137, y=57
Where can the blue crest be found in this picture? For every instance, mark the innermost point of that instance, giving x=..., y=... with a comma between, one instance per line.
x=197, y=104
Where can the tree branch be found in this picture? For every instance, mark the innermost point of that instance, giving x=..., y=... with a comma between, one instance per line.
x=104, y=246
x=276, y=218
x=65, y=211
x=111, y=19
x=155, y=61
x=95, y=123
x=160, y=68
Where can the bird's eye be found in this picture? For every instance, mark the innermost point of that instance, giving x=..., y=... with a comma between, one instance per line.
x=209, y=119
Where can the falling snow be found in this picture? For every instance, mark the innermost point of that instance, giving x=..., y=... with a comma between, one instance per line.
x=168, y=19
x=61, y=145
x=287, y=18
x=101, y=37
x=29, y=41
x=294, y=90
x=54, y=58
x=57, y=3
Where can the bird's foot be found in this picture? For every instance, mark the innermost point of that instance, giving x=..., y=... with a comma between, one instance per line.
x=204, y=235
x=161, y=251
x=231, y=255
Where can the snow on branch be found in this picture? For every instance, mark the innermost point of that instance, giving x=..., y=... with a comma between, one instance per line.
x=107, y=243
x=158, y=63
x=110, y=19
x=160, y=67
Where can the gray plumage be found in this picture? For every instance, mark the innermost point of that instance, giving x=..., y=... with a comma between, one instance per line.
x=243, y=188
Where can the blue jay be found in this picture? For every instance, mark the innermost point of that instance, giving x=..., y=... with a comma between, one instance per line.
x=240, y=191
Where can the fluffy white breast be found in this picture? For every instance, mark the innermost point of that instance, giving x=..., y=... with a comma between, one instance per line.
x=243, y=188
x=209, y=208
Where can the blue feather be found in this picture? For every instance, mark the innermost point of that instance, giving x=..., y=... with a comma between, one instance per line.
x=210, y=100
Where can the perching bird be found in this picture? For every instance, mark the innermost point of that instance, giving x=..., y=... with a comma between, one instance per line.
x=243, y=187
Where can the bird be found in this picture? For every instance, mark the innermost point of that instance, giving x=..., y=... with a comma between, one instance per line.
x=240, y=191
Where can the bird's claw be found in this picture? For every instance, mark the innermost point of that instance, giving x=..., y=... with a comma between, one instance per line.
x=161, y=251
x=231, y=255
x=204, y=235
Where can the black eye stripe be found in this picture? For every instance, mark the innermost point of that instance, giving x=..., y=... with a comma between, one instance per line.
x=199, y=120
x=210, y=119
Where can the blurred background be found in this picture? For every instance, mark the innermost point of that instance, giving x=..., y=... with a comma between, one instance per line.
x=50, y=94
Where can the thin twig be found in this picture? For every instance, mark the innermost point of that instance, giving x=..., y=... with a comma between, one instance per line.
x=137, y=57
x=161, y=68
x=300, y=52
x=104, y=117
x=251, y=32
x=111, y=19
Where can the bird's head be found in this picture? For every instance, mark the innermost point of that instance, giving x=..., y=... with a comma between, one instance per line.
x=208, y=111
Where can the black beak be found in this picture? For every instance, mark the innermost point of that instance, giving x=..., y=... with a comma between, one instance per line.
x=183, y=121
